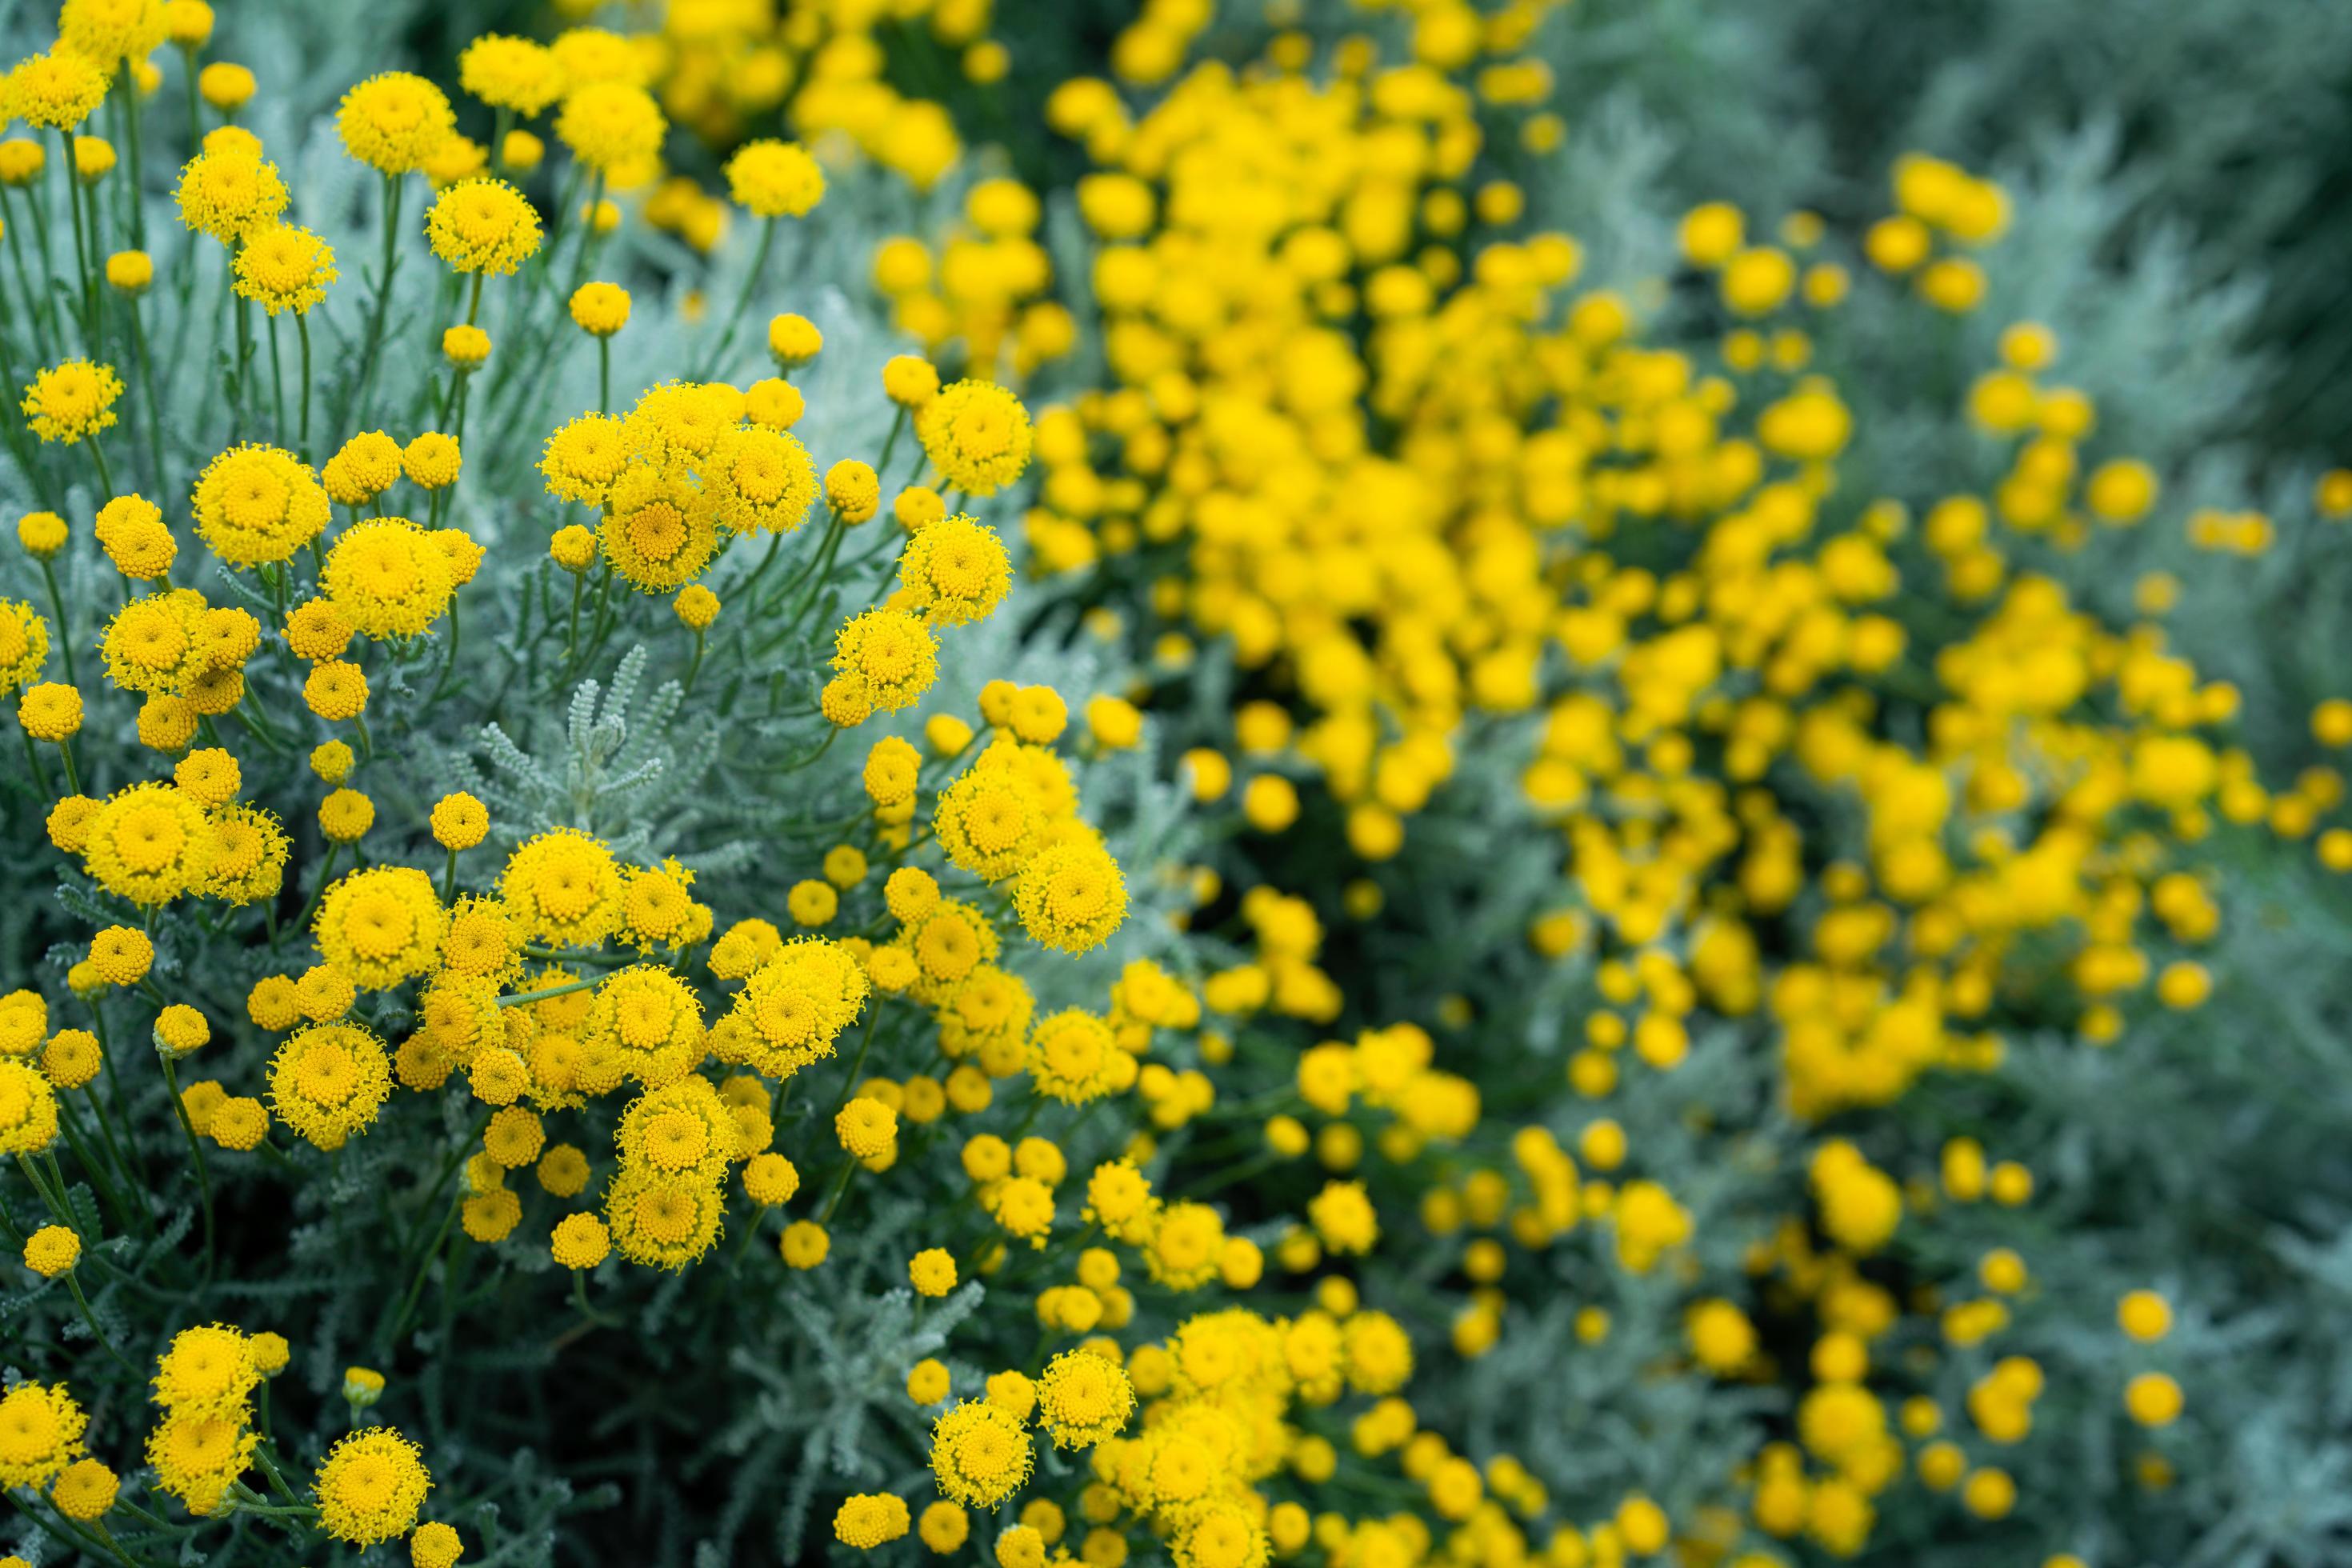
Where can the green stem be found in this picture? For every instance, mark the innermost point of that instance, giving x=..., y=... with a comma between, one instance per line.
x=196, y=1151
x=96, y=1332
x=742, y=300
x=303, y=328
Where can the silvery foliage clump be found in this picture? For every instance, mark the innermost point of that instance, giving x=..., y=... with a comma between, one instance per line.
x=718, y=1455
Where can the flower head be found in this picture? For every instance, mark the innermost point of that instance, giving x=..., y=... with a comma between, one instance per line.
x=257, y=505
x=40, y=1433
x=283, y=268
x=513, y=73
x=979, y=1455
x=388, y=577
x=72, y=401
x=329, y=1082
x=977, y=435
x=395, y=121
x=369, y=1486
x=231, y=193
x=57, y=90
x=483, y=225
x=775, y=179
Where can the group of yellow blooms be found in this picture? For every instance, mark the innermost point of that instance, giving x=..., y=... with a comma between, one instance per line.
x=1362, y=432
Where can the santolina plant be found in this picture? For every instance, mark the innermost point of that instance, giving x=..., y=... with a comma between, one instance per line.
x=1208, y=823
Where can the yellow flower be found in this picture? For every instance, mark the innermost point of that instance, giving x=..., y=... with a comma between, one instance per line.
x=111, y=31
x=230, y=193
x=249, y=860
x=583, y=460
x=72, y=401
x=510, y=73
x=394, y=121
x=329, y=1082
x=257, y=505
x=283, y=268
x=57, y=90
x=52, y=1250
x=388, y=577
x=580, y=1241
x=86, y=1490
x=40, y=1433
x=869, y=1520
x=207, y=1370
x=362, y=468
x=564, y=888
x=1084, y=1399
x=24, y=649
x=381, y=925
x=955, y=570
x=663, y=1221
x=149, y=843
x=793, y=340
x=659, y=530
x=611, y=127
x=369, y=1486
x=892, y=656
x=1071, y=896
x=759, y=480
x=28, y=1108
x=1075, y=1057
x=979, y=1455
x=977, y=435
x=775, y=179
x=483, y=225
x=599, y=309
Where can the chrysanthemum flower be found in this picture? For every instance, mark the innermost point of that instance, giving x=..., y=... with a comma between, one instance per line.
x=256, y=505
x=483, y=225
x=86, y=1490
x=329, y=1082
x=892, y=653
x=230, y=193
x=24, y=649
x=1071, y=896
x=28, y=1108
x=1075, y=1057
x=797, y=1005
x=283, y=268
x=72, y=401
x=57, y=90
x=979, y=1455
x=599, y=309
x=249, y=862
x=149, y=843
x=584, y=458
x=759, y=480
x=1084, y=1399
x=40, y=1433
x=362, y=468
x=956, y=570
x=207, y=1369
x=659, y=530
x=505, y=72
x=394, y=121
x=111, y=31
x=198, y=1456
x=650, y=1021
x=611, y=126
x=775, y=179
x=369, y=1486
x=870, y=1520
x=388, y=578
x=381, y=925
x=663, y=1221
x=564, y=888
x=977, y=435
